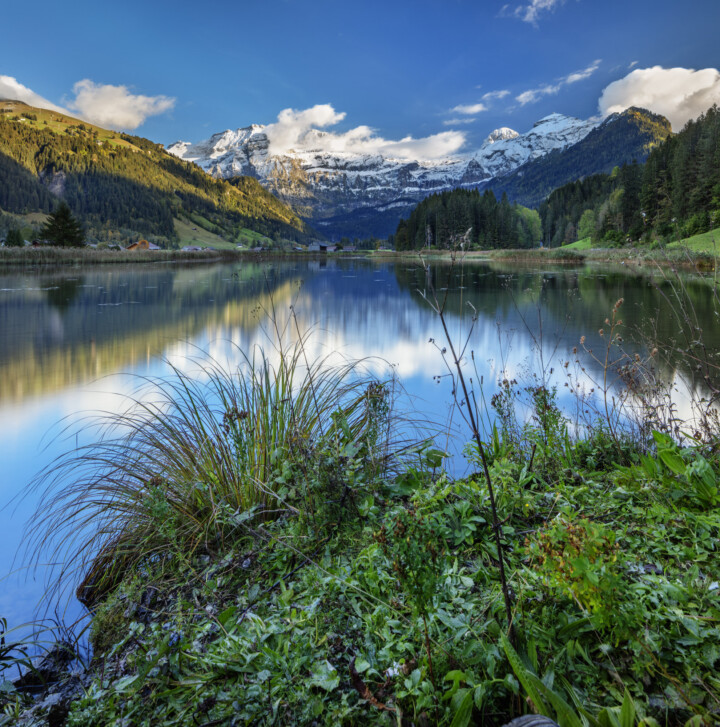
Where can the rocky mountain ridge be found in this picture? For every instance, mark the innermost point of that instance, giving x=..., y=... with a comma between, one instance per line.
x=348, y=193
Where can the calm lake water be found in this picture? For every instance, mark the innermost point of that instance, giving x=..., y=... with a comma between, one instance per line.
x=73, y=340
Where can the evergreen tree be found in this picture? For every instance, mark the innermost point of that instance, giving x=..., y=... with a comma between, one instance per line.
x=441, y=219
x=63, y=229
x=586, y=225
x=14, y=238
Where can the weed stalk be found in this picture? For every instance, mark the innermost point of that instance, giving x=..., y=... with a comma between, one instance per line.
x=439, y=308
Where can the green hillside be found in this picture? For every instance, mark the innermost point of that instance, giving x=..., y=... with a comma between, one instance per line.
x=675, y=194
x=123, y=186
x=621, y=139
x=708, y=242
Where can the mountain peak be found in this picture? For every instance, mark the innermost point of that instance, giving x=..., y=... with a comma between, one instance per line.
x=337, y=188
x=554, y=121
x=502, y=134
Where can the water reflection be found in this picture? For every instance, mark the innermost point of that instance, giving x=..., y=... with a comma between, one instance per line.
x=63, y=333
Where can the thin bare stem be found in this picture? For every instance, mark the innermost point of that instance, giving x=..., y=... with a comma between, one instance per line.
x=439, y=308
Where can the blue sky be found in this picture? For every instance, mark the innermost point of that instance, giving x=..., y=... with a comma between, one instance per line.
x=419, y=68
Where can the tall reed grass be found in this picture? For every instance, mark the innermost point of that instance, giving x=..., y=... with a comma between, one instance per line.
x=190, y=458
x=48, y=255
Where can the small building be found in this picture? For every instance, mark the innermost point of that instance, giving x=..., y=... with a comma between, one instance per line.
x=191, y=248
x=142, y=245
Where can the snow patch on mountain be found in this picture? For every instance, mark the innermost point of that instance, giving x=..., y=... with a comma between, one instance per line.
x=321, y=184
x=501, y=134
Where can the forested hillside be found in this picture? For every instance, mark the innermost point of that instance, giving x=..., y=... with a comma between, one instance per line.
x=620, y=139
x=122, y=184
x=441, y=218
x=675, y=193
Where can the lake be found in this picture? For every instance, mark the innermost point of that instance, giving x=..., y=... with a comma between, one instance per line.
x=75, y=340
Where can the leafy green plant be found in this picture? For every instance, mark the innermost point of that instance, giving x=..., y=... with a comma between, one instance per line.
x=581, y=559
x=411, y=540
x=13, y=654
x=693, y=469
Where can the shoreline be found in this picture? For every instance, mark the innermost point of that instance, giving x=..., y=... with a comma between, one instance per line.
x=704, y=262
x=673, y=257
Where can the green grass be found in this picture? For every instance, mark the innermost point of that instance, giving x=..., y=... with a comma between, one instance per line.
x=61, y=123
x=250, y=238
x=191, y=233
x=584, y=244
x=281, y=622
x=48, y=255
x=194, y=233
x=707, y=242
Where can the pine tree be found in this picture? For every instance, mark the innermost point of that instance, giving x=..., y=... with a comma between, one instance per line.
x=63, y=229
x=14, y=238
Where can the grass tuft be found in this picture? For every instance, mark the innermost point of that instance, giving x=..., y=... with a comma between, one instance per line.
x=190, y=461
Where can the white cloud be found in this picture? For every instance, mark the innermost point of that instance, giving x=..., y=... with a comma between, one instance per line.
x=302, y=131
x=474, y=108
x=115, y=106
x=293, y=126
x=102, y=104
x=529, y=13
x=12, y=90
x=491, y=95
x=680, y=94
x=535, y=94
x=455, y=122
x=582, y=75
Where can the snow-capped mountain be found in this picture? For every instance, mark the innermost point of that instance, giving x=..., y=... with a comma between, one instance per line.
x=325, y=187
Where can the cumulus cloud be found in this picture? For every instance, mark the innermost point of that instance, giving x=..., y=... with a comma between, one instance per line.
x=427, y=148
x=115, y=106
x=101, y=104
x=680, y=94
x=535, y=94
x=13, y=90
x=474, y=108
x=303, y=131
x=292, y=127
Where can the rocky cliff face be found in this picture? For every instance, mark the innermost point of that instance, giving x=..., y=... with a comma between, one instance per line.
x=355, y=194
